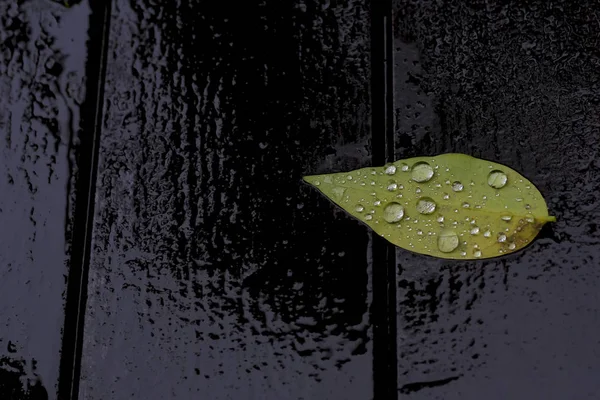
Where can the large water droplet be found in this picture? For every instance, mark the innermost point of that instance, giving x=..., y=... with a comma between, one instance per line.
x=447, y=241
x=422, y=172
x=457, y=186
x=390, y=170
x=426, y=205
x=497, y=179
x=393, y=212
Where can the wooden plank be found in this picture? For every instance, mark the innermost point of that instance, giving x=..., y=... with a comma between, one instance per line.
x=215, y=272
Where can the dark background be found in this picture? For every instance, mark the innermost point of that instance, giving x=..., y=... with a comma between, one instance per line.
x=152, y=155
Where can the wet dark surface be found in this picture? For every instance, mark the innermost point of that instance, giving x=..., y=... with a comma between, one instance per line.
x=519, y=86
x=215, y=272
x=42, y=60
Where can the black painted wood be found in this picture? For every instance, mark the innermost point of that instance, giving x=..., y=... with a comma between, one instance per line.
x=517, y=84
x=214, y=271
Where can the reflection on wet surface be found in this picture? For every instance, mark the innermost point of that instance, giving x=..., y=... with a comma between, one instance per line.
x=517, y=87
x=215, y=270
x=41, y=87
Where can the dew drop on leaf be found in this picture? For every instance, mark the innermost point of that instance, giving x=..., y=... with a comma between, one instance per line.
x=457, y=186
x=497, y=179
x=426, y=205
x=359, y=208
x=502, y=238
x=447, y=241
x=393, y=212
x=422, y=172
x=391, y=170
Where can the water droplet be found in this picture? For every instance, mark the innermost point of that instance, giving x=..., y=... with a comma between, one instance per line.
x=506, y=217
x=372, y=183
x=477, y=253
x=475, y=231
x=393, y=212
x=457, y=186
x=392, y=186
x=328, y=179
x=530, y=220
x=359, y=208
x=512, y=246
x=405, y=167
x=440, y=219
x=368, y=217
x=502, y=238
x=317, y=183
x=497, y=179
x=377, y=202
x=418, y=190
x=426, y=205
x=519, y=199
x=349, y=177
x=463, y=253
x=466, y=205
x=422, y=172
x=447, y=241
x=419, y=232
x=446, y=196
x=487, y=234
x=390, y=170
x=338, y=192
x=400, y=186
x=527, y=206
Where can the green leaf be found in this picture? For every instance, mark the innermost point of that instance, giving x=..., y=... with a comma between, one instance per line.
x=450, y=206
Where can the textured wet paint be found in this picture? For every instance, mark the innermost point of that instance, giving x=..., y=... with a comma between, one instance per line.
x=41, y=87
x=215, y=271
x=518, y=85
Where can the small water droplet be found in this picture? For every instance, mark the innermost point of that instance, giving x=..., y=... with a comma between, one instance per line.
x=317, y=183
x=502, y=238
x=422, y=172
x=506, y=217
x=447, y=241
x=419, y=232
x=477, y=253
x=426, y=205
x=400, y=187
x=466, y=205
x=530, y=220
x=349, y=177
x=418, y=190
x=487, y=234
x=390, y=170
x=457, y=186
x=377, y=202
x=463, y=253
x=440, y=219
x=475, y=231
x=368, y=217
x=485, y=197
x=512, y=246
x=497, y=179
x=359, y=208
x=404, y=167
x=328, y=179
x=446, y=196
x=392, y=186
x=519, y=199
x=393, y=212
x=527, y=206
